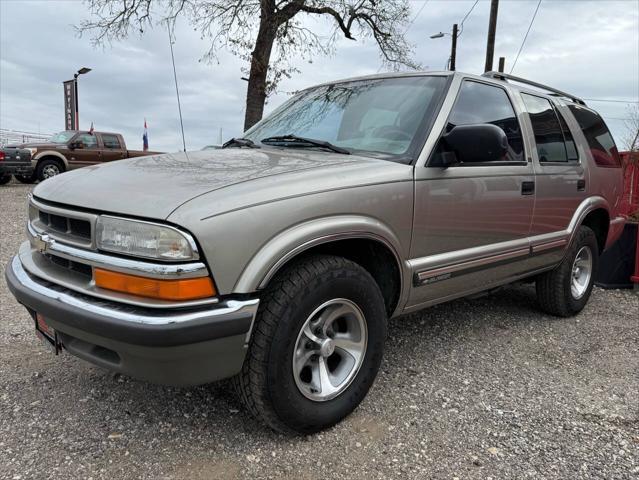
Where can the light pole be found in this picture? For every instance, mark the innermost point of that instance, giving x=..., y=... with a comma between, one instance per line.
x=82, y=71
x=453, y=48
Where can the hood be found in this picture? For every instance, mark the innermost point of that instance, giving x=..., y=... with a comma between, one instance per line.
x=40, y=146
x=155, y=186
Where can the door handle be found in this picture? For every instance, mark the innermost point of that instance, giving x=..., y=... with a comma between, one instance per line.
x=527, y=188
x=581, y=185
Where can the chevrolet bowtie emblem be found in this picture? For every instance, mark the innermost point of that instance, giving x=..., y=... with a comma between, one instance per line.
x=41, y=242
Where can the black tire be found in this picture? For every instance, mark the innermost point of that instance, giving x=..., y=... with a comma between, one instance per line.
x=5, y=178
x=47, y=165
x=266, y=384
x=26, y=178
x=554, y=292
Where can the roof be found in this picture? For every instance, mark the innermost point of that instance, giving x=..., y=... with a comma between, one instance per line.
x=94, y=131
x=493, y=77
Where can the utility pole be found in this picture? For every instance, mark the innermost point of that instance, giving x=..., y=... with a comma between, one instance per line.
x=492, y=27
x=453, y=49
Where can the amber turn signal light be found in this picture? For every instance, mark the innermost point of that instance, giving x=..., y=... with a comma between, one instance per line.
x=183, y=289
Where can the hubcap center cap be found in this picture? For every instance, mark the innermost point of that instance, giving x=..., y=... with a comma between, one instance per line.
x=327, y=348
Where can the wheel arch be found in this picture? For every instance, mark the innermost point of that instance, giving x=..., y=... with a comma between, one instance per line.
x=598, y=220
x=363, y=240
x=593, y=212
x=52, y=154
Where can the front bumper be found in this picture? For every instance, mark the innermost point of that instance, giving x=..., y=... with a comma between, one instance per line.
x=16, y=168
x=167, y=346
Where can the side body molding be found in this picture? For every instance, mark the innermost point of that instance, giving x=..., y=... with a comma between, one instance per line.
x=291, y=242
x=51, y=153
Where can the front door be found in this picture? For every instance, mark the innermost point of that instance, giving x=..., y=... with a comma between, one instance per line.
x=86, y=151
x=471, y=221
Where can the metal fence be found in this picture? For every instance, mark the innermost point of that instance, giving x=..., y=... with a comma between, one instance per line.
x=10, y=137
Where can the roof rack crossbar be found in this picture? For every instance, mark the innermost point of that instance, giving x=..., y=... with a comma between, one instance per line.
x=505, y=76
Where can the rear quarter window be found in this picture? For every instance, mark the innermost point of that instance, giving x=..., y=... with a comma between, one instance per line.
x=600, y=141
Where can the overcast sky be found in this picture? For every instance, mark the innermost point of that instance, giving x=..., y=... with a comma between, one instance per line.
x=588, y=48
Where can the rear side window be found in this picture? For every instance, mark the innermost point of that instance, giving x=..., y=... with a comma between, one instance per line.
x=552, y=136
x=480, y=103
x=111, y=141
x=602, y=146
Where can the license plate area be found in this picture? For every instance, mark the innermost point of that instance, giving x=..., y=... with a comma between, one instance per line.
x=47, y=334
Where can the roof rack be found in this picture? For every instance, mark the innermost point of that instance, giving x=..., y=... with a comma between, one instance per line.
x=555, y=92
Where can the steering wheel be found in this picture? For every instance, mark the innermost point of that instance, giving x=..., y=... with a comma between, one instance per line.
x=390, y=132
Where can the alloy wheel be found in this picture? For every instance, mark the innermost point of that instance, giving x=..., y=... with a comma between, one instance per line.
x=581, y=273
x=330, y=349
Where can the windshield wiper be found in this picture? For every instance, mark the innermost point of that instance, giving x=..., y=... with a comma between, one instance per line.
x=240, y=142
x=293, y=140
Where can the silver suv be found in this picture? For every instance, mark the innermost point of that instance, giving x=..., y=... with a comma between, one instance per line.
x=278, y=259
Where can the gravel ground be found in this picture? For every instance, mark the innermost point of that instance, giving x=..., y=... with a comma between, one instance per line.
x=485, y=388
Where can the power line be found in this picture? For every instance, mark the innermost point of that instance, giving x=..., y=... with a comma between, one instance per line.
x=461, y=24
x=525, y=36
x=415, y=17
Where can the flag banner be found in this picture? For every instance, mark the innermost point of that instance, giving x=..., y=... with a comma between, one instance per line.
x=70, y=106
x=145, y=138
x=91, y=129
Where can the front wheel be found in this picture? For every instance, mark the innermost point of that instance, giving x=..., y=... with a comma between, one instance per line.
x=48, y=168
x=5, y=178
x=565, y=290
x=316, y=346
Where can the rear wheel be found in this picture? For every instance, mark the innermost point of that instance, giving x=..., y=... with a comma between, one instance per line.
x=5, y=178
x=49, y=167
x=565, y=290
x=26, y=178
x=316, y=347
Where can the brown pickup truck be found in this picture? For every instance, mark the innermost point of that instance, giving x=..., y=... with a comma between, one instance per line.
x=68, y=150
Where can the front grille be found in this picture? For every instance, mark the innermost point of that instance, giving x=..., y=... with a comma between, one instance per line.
x=62, y=224
x=66, y=225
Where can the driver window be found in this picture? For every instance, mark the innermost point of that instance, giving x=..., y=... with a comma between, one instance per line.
x=481, y=103
x=87, y=141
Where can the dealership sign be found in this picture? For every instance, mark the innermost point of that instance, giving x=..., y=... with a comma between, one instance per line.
x=70, y=105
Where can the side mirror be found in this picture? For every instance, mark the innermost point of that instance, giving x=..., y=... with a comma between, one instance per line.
x=74, y=145
x=475, y=143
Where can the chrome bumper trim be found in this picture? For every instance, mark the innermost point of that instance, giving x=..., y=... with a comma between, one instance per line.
x=126, y=313
x=118, y=264
x=41, y=267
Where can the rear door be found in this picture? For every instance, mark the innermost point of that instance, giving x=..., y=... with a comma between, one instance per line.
x=472, y=221
x=112, y=147
x=561, y=179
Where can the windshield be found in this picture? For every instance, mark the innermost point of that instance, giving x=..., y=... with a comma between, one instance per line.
x=62, y=137
x=377, y=117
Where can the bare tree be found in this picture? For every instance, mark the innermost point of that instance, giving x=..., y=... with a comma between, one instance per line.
x=631, y=135
x=257, y=30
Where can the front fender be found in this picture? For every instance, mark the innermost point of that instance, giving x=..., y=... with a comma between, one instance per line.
x=289, y=243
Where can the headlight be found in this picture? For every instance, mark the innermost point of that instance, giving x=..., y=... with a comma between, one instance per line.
x=144, y=239
x=33, y=151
